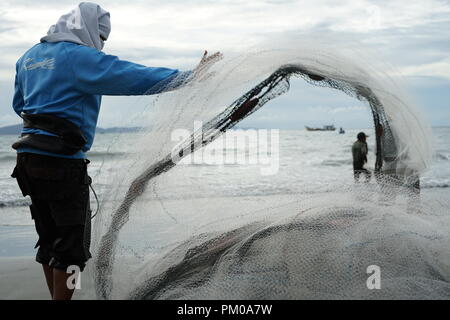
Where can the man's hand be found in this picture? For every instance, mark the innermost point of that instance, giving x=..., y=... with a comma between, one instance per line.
x=201, y=70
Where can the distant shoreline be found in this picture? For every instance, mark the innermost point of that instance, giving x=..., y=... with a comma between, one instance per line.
x=17, y=128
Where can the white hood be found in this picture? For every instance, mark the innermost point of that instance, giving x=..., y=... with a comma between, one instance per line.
x=83, y=25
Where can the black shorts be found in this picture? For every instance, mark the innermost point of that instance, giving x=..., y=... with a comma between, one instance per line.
x=59, y=192
x=358, y=169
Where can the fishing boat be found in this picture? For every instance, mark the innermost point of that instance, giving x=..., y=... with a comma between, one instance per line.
x=324, y=128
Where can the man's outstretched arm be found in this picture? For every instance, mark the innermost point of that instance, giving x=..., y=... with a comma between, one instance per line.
x=99, y=73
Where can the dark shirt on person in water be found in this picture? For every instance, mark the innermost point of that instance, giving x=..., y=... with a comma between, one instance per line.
x=359, y=151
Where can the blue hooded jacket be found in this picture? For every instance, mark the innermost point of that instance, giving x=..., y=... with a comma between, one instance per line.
x=67, y=80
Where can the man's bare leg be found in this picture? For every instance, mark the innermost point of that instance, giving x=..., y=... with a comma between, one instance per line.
x=60, y=289
x=48, y=271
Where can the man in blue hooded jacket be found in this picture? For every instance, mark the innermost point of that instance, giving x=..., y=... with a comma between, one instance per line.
x=58, y=88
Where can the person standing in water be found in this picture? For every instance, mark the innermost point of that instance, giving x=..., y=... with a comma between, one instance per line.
x=359, y=152
x=59, y=84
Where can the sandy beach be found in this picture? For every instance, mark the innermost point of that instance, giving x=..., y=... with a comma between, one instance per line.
x=22, y=278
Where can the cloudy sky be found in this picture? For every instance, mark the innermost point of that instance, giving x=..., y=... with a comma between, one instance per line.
x=412, y=35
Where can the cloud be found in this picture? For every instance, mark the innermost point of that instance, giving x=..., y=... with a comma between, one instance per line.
x=347, y=109
x=435, y=69
x=411, y=35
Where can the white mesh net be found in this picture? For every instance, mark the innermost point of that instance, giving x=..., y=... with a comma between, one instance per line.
x=164, y=232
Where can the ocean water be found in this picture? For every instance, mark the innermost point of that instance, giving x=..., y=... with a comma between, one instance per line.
x=274, y=163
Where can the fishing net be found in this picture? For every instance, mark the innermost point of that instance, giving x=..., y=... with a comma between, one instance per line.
x=158, y=237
